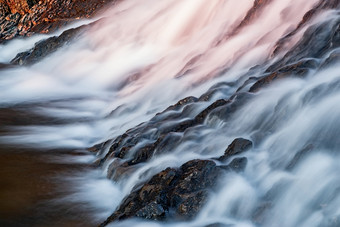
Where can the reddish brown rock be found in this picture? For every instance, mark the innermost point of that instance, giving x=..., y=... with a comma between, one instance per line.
x=25, y=17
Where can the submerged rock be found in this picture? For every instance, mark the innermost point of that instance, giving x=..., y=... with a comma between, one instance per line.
x=311, y=14
x=151, y=137
x=46, y=47
x=298, y=69
x=301, y=58
x=5, y=66
x=299, y=156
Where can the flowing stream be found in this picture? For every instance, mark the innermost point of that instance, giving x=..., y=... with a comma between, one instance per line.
x=142, y=57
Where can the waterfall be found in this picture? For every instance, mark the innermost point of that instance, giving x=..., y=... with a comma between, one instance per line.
x=115, y=85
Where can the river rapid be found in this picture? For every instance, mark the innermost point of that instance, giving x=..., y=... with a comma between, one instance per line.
x=139, y=59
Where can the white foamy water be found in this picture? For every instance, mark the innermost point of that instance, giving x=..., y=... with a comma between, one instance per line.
x=145, y=56
x=130, y=61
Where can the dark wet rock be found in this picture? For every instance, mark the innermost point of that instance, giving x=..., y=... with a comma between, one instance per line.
x=237, y=164
x=322, y=37
x=318, y=92
x=330, y=4
x=5, y=66
x=299, y=69
x=249, y=82
x=150, y=137
x=311, y=14
x=148, y=200
x=150, y=133
x=189, y=66
x=226, y=112
x=173, y=192
x=180, y=104
x=201, y=116
x=248, y=79
x=238, y=146
x=253, y=13
x=119, y=170
x=225, y=88
x=152, y=211
x=259, y=213
x=96, y=148
x=144, y=154
x=219, y=225
x=266, y=80
x=191, y=189
x=46, y=47
x=332, y=59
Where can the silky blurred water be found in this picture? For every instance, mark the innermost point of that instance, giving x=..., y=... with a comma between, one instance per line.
x=145, y=56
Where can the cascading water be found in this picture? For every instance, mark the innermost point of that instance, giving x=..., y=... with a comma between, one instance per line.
x=144, y=56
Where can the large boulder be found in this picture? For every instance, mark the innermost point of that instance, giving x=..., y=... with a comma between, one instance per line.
x=177, y=193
